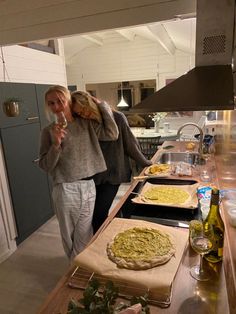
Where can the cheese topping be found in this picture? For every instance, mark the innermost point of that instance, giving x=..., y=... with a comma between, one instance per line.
x=141, y=244
x=159, y=168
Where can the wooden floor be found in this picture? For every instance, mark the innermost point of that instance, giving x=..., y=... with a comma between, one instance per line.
x=31, y=272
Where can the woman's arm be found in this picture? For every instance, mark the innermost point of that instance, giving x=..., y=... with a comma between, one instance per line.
x=131, y=145
x=49, y=151
x=106, y=130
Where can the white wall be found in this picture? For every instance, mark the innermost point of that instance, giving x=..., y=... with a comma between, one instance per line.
x=25, y=65
x=139, y=59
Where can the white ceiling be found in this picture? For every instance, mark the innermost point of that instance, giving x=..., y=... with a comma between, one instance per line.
x=172, y=35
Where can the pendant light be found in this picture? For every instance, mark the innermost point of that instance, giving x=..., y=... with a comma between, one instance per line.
x=122, y=103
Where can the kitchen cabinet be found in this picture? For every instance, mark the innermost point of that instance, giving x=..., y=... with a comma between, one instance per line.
x=29, y=187
x=20, y=135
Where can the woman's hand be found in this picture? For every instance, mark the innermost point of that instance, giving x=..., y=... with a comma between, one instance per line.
x=96, y=100
x=58, y=134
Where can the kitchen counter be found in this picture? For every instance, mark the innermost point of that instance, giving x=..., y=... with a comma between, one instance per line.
x=188, y=295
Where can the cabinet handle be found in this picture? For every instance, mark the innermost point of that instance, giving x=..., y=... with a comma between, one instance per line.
x=32, y=118
x=35, y=160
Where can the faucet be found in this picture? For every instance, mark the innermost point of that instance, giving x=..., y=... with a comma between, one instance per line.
x=200, y=148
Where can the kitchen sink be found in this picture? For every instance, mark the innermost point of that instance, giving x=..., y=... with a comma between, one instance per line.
x=173, y=157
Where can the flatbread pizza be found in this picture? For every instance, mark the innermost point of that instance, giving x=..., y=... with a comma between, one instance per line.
x=166, y=195
x=141, y=248
x=159, y=170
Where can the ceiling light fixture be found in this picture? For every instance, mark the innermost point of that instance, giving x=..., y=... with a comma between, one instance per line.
x=122, y=103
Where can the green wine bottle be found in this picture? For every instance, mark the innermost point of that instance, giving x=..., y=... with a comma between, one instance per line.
x=214, y=219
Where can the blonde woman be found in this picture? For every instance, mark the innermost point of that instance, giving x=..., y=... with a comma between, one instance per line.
x=86, y=106
x=116, y=154
x=72, y=156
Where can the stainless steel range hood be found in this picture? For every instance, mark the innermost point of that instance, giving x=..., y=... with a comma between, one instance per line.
x=203, y=88
x=209, y=86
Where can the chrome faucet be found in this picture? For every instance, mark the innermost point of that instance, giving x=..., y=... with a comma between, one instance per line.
x=200, y=148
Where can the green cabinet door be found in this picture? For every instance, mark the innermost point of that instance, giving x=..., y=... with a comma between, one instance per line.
x=29, y=185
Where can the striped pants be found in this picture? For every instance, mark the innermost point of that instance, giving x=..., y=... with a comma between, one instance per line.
x=74, y=205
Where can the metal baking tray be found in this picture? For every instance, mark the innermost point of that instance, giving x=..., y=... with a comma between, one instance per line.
x=168, y=213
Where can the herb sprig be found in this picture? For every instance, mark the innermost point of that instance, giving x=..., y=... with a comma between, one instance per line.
x=98, y=299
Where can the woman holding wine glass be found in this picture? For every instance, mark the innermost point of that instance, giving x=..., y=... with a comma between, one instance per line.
x=71, y=154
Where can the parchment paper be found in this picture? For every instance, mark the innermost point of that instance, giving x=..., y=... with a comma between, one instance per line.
x=192, y=201
x=158, y=279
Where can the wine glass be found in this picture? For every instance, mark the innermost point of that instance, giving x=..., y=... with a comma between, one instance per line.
x=61, y=120
x=201, y=240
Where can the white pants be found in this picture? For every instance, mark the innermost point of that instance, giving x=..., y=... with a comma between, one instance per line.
x=74, y=205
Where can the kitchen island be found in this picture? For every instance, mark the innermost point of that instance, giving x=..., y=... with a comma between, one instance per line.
x=188, y=295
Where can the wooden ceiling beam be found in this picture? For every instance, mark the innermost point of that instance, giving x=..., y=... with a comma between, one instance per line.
x=126, y=33
x=93, y=38
x=162, y=37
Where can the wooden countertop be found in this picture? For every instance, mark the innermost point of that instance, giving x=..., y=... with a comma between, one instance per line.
x=189, y=296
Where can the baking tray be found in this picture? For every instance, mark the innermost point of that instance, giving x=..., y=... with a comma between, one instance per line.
x=145, y=211
x=166, y=181
x=191, y=203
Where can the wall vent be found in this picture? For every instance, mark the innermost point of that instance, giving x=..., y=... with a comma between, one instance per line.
x=214, y=44
x=214, y=32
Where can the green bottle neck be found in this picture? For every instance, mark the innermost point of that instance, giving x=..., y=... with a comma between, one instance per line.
x=214, y=210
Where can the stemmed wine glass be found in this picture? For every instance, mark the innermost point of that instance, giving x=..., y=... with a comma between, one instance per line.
x=201, y=240
x=61, y=120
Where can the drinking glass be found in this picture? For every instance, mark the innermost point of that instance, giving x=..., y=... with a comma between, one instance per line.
x=201, y=240
x=60, y=119
x=205, y=175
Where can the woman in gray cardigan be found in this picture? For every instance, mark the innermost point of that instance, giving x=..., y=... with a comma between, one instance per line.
x=116, y=154
x=72, y=156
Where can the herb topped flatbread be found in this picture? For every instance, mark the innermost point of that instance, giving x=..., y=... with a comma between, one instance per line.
x=141, y=248
x=166, y=195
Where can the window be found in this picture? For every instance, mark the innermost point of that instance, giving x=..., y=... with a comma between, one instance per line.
x=146, y=91
x=72, y=88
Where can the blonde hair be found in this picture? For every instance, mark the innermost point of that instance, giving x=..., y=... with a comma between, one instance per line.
x=85, y=100
x=59, y=89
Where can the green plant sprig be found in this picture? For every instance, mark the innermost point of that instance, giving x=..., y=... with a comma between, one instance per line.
x=98, y=299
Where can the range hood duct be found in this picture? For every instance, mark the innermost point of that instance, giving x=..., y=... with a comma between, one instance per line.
x=208, y=86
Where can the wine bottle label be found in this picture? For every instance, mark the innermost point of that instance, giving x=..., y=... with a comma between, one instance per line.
x=216, y=254
x=220, y=251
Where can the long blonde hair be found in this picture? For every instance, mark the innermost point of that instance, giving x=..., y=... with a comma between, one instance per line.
x=85, y=100
x=59, y=89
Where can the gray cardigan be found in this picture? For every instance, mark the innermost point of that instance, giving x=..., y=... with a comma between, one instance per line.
x=117, y=153
x=80, y=155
